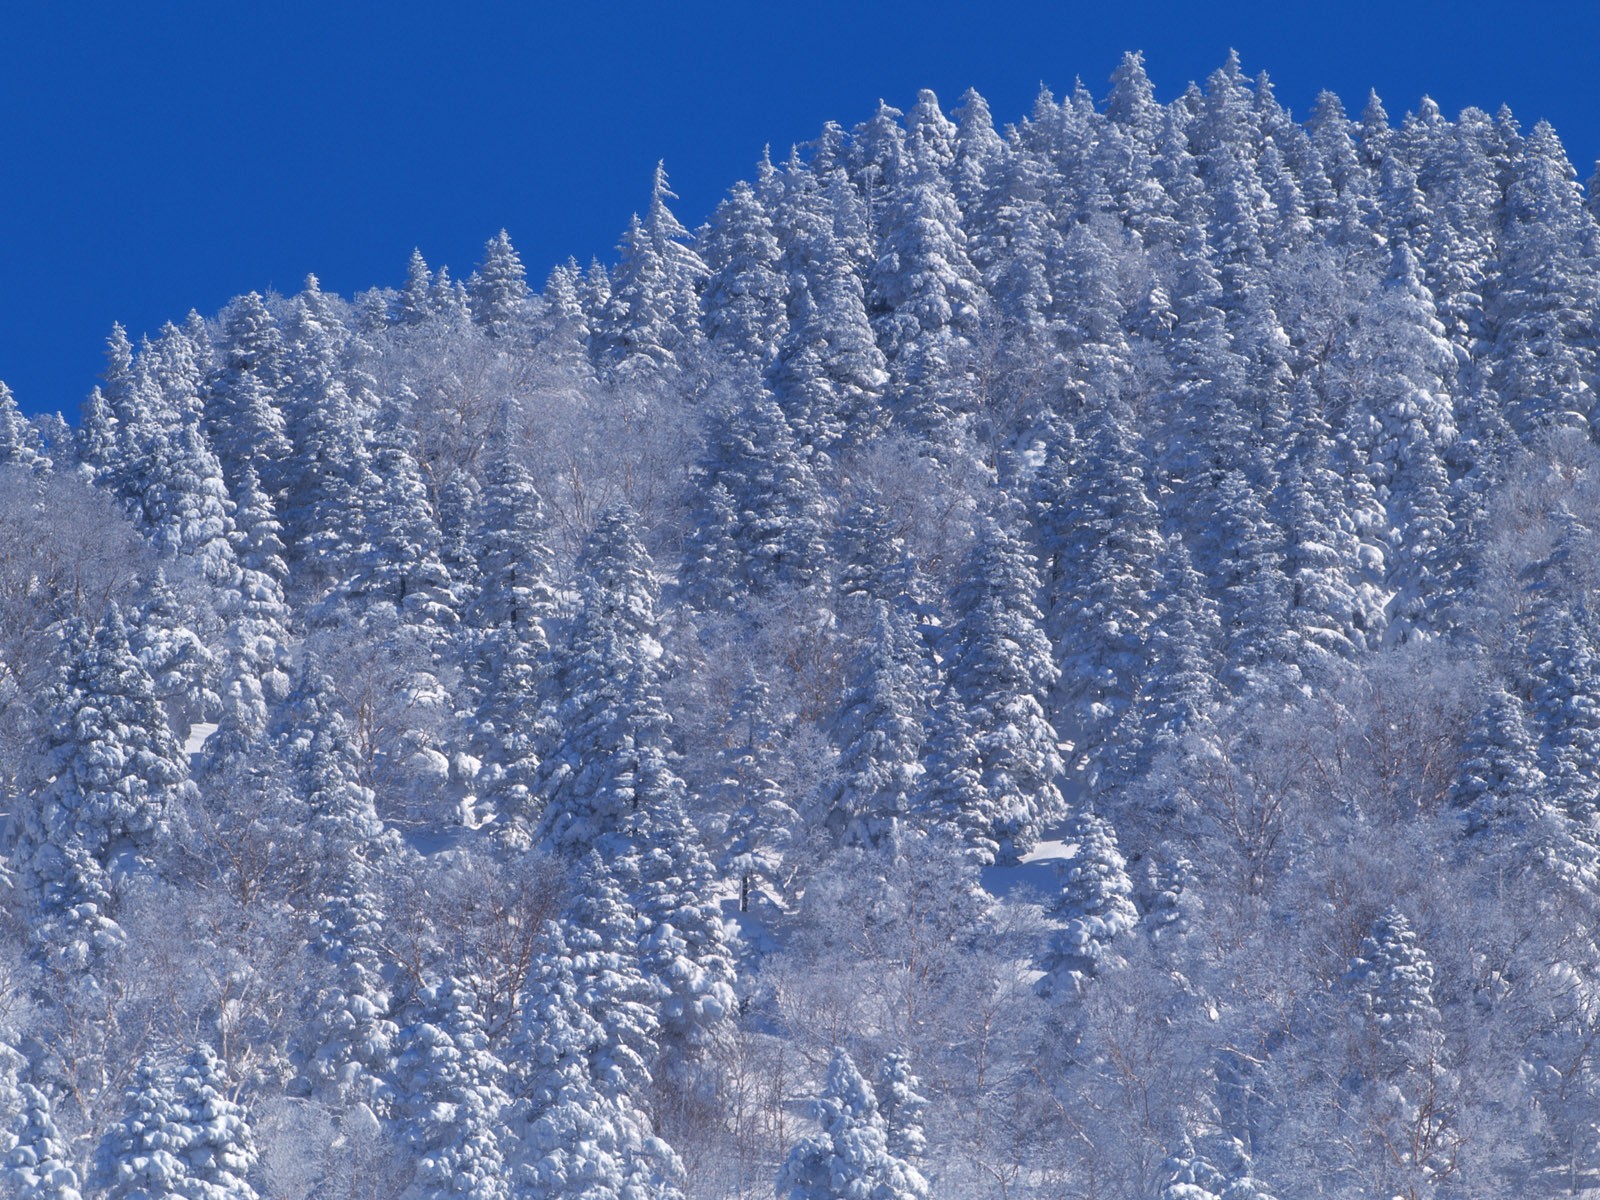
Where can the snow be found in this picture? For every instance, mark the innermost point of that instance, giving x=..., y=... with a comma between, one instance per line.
x=1034, y=871
x=197, y=737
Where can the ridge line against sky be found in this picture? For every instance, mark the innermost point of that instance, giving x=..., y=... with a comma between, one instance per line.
x=172, y=157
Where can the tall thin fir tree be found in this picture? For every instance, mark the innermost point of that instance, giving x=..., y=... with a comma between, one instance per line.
x=880, y=735
x=111, y=776
x=37, y=1166
x=650, y=325
x=450, y=1101
x=502, y=306
x=849, y=1158
x=1001, y=667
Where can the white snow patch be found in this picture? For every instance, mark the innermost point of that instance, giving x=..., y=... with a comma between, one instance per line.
x=1036, y=870
x=197, y=737
x=1050, y=851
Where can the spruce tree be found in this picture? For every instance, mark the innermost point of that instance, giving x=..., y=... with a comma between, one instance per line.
x=828, y=374
x=218, y=1148
x=37, y=1167
x=762, y=517
x=849, y=1159
x=900, y=1100
x=499, y=290
x=880, y=734
x=243, y=419
x=753, y=813
x=514, y=608
x=111, y=776
x=1094, y=907
x=598, y=782
x=1101, y=545
x=746, y=293
x=650, y=326
x=1001, y=667
x=1499, y=789
x=450, y=1099
x=580, y=1140
x=19, y=443
x=141, y=1157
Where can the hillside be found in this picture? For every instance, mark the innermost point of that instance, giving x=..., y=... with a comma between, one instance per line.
x=1013, y=662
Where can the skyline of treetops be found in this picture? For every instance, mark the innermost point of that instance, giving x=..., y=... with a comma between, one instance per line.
x=1054, y=658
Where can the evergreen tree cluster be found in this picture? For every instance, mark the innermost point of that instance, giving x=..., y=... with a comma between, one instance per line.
x=1055, y=659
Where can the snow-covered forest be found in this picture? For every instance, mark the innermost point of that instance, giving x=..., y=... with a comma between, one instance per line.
x=1050, y=660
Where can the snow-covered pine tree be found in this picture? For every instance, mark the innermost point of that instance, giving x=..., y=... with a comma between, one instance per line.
x=110, y=775
x=1001, y=667
x=762, y=524
x=650, y=326
x=37, y=1166
x=1094, y=907
x=875, y=561
x=685, y=949
x=1541, y=309
x=243, y=420
x=849, y=1159
x=1499, y=789
x=827, y=372
x=600, y=934
x=1405, y=1105
x=1101, y=544
x=613, y=724
x=347, y=1037
x=746, y=292
x=880, y=734
x=141, y=1156
x=501, y=303
x=182, y=669
x=754, y=815
x=325, y=408
x=954, y=795
x=215, y=1142
x=509, y=618
x=254, y=660
x=19, y=443
x=579, y=1140
x=1329, y=597
x=398, y=562
x=924, y=303
x=450, y=1099
x=414, y=304
x=902, y=1105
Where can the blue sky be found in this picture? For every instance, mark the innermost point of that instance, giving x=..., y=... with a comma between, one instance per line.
x=162, y=157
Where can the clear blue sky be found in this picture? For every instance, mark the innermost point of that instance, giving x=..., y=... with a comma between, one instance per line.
x=166, y=156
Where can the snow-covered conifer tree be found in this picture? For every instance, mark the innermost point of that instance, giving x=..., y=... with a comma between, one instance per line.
x=746, y=293
x=499, y=290
x=450, y=1098
x=1001, y=667
x=37, y=1167
x=514, y=607
x=1499, y=788
x=1094, y=907
x=849, y=1159
x=19, y=443
x=218, y=1148
x=142, y=1155
x=880, y=734
x=243, y=420
x=111, y=774
x=828, y=374
x=902, y=1104
x=770, y=530
x=579, y=1140
x=651, y=322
